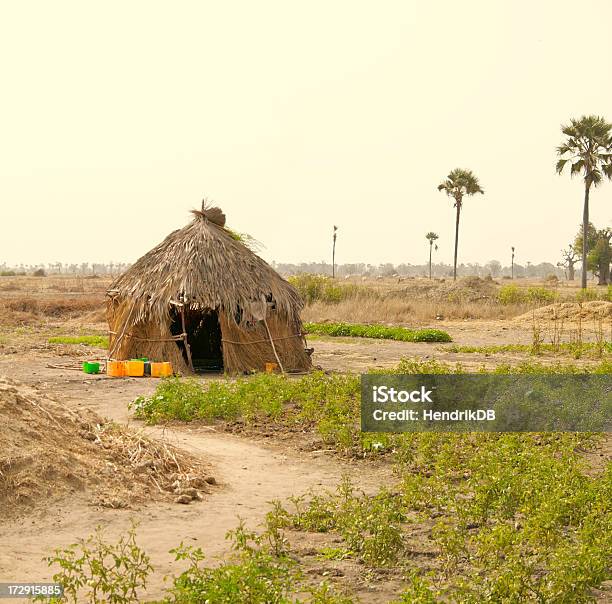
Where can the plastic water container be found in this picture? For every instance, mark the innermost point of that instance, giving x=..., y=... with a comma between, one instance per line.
x=134, y=368
x=115, y=368
x=91, y=367
x=161, y=369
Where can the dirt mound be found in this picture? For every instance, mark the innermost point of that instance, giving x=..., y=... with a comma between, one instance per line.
x=467, y=289
x=570, y=311
x=49, y=452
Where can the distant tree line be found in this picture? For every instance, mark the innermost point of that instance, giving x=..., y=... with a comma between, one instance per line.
x=493, y=268
x=83, y=269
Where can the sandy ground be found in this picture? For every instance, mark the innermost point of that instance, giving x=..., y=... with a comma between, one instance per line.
x=249, y=474
x=361, y=354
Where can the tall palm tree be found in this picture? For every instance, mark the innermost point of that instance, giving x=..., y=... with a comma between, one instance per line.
x=431, y=237
x=588, y=149
x=458, y=184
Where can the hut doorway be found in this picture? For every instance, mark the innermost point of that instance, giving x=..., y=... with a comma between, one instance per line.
x=204, y=338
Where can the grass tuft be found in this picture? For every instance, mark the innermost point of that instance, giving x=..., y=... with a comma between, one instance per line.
x=97, y=341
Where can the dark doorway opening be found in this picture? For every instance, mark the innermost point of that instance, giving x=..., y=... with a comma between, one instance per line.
x=204, y=338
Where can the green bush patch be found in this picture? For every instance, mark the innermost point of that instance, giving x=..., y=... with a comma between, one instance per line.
x=380, y=332
x=512, y=294
x=328, y=405
x=319, y=288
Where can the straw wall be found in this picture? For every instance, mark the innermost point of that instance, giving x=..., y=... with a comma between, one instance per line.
x=250, y=350
x=144, y=339
x=244, y=350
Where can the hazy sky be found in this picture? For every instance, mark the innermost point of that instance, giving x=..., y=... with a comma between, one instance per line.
x=118, y=117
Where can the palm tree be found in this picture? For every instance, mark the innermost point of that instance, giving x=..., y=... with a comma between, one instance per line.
x=431, y=237
x=458, y=184
x=588, y=148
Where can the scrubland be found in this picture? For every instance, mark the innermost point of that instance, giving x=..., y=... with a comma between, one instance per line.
x=314, y=510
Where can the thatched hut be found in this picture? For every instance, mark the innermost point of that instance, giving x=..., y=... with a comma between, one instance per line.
x=204, y=301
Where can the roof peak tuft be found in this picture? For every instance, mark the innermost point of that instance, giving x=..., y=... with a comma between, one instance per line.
x=210, y=213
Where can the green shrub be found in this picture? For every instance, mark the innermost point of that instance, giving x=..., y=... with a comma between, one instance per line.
x=417, y=592
x=541, y=295
x=512, y=294
x=378, y=332
x=95, y=571
x=11, y=273
x=369, y=525
x=319, y=288
x=253, y=575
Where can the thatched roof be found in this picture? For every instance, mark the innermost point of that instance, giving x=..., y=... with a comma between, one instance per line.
x=206, y=266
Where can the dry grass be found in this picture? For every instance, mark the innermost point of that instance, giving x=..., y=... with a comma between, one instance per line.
x=28, y=309
x=67, y=284
x=396, y=311
x=168, y=469
x=421, y=301
x=59, y=307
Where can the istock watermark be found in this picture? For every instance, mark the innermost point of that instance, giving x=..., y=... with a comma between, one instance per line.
x=486, y=403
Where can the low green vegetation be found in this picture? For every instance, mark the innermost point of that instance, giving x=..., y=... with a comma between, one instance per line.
x=500, y=518
x=371, y=526
x=381, y=332
x=254, y=573
x=576, y=349
x=11, y=273
x=513, y=294
x=517, y=518
x=100, y=571
x=259, y=570
x=328, y=405
x=512, y=517
x=97, y=341
x=588, y=295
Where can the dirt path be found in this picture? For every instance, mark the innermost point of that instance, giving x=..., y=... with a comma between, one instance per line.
x=250, y=475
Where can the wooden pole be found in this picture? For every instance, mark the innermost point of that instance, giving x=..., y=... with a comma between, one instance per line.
x=118, y=340
x=334, y=254
x=273, y=347
x=187, y=347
